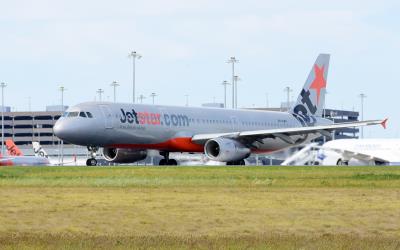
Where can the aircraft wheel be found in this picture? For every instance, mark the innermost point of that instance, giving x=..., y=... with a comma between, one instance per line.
x=91, y=162
x=162, y=162
x=340, y=162
x=234, y=163
x=172, y=162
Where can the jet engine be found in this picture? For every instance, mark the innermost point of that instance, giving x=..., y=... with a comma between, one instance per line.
x=124, y=155
x=225, y=150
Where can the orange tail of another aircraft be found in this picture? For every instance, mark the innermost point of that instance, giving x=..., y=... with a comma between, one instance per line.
x=12, y=149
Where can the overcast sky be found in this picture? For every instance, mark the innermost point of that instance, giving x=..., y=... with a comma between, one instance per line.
x=83, y=45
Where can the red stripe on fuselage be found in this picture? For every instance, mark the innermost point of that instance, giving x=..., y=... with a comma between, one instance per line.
x=6, y=163
x=182, y=144
x=262, y=151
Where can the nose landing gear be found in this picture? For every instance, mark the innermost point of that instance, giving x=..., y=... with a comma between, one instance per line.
x=92, y=160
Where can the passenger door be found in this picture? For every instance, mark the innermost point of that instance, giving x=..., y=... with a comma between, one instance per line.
x=108, y=119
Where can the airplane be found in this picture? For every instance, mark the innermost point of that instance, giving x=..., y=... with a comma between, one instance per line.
x=126, y=131
x=360, y=152
x=16, y=158
x=70, y=161
x=12, y=149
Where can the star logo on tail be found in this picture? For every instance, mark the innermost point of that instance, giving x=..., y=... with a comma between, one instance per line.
x=319, y=81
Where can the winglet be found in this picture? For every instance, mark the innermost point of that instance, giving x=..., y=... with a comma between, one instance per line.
x=383, y=123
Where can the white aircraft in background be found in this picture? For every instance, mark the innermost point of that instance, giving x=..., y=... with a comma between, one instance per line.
x=127, y=131
x=70, y=161
x=360, y=152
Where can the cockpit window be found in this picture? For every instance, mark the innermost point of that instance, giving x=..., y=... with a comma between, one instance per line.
x=65, y=114
x=82, y=114
x=89, y=114
x=73, y=114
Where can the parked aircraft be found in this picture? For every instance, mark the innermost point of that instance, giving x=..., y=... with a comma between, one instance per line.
x=68, y=161
x=16, y=158
x=360, y=152
x=126, y=131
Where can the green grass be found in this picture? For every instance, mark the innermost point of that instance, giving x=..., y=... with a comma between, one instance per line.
x=200, y=207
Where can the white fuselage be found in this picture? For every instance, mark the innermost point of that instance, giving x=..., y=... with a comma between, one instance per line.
x=361, y=151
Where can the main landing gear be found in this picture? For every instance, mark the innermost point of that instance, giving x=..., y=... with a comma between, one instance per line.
x=167, y=160
x=233, y=163
x=92, y=160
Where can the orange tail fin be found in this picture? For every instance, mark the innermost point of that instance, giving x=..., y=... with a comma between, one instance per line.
x=12, y=149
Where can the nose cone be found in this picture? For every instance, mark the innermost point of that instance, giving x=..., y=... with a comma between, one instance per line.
x=61, y=130
x=79, y=131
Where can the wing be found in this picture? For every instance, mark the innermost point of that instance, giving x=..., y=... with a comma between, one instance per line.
x=285, y=133
x=356, y=155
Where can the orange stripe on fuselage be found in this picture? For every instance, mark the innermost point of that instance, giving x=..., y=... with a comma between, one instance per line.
x=182, y=144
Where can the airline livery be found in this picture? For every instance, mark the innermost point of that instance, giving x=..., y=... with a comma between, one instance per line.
x=126, y=131
x=16, y=158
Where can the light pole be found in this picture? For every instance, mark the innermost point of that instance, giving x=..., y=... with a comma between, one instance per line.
x=100, y=91
x=29, y=103
x=326, y=95
x=237, y=78
x=187, y=100
x=141, y=97
x=288, y=90
x=324, y=114
x=38, y=127
x=233, y=60
x=152, y=95
x=3, y=85
x=225, y=83
x=115, y=84
x=62, y=89
x=362, y=97
x=134, y=55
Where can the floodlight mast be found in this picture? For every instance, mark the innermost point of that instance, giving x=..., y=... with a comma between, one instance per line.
x=62, y=89
x=115, y=84
x=187, y=100
x=141, y=97
x=288, y=90
x=225, y=83
x=362, y=97
x=2, y=85
x=233, y=60
x=134, y=56
x=152, y=95
x=100, y=92
x=237, y=78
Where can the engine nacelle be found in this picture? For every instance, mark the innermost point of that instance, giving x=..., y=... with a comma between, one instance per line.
x=124, y=155
x=225, y=150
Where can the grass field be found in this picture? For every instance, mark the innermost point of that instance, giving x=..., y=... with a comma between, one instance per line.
x=200, y=207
